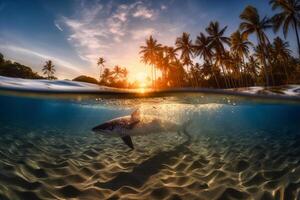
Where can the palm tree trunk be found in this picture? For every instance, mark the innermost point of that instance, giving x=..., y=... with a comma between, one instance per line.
x=286, y=71
x=297, y=35
x=178, y=80
x=265, y=70
x=100, y=73
x=225, y=78
x=214, y=74
x=217, y=82
x=164, y=75
x=231, y=80
x=270, y=67
x=155, y=77
x=152, y=76
x=245, y=72
x=227, y=82
x=196, y=80
x=263, y=46
x=194, y=77
x=241, y=80
x=224, y=75
x=272, y=75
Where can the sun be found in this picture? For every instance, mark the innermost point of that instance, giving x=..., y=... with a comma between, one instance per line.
x=141, y=78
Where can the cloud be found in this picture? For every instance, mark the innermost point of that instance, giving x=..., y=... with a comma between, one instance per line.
x=99, y=28
x=143, y=12
x=163, y=7
x=86, y=33
x=116, y=32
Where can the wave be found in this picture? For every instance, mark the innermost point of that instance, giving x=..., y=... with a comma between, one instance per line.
x=74, y=87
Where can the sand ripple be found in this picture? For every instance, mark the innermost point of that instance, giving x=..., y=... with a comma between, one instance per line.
x=211, y=165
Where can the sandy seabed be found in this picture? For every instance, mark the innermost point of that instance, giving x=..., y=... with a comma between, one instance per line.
x=208, y=165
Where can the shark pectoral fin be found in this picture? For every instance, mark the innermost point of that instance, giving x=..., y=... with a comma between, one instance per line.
x=127, y=140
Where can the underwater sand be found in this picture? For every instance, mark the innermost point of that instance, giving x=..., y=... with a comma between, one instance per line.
x=208, y=165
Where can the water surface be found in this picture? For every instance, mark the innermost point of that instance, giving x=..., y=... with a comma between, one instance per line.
x=234, y=148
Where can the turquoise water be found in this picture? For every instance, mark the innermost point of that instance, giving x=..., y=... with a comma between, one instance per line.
x=233, y=148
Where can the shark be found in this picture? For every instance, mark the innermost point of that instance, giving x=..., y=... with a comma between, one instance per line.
x=134, y=125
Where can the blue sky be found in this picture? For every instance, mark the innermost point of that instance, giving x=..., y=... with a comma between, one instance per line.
x=73, y=33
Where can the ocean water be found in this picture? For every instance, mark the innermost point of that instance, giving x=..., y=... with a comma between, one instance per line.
x=232, y=148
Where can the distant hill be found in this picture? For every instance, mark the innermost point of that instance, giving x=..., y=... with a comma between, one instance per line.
x=17, y=70
x=86, y=79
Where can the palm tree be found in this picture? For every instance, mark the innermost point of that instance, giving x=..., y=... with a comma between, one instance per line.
x=177, y=73
x=259, y=53
x=289, y=16
x=203, y=49
x=253, y=67
x=240, y=46
x=217, y=39
x=124, y=73
x=185, y=45
x=165, y=57
x=49, y=70
x=229, y=60
x=100, y=63
x=194, y=70
x=162, y=62
x=106, y=78
x=281, y=49
x=1, y=58
x=281, y=53
x=119, y=73
x=252, y=23
x=149, y=53
x=171, y=53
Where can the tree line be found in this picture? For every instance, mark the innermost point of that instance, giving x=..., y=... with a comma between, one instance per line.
x=215, y=59
x=115, y=77
x=14, y=69
x=17, y=70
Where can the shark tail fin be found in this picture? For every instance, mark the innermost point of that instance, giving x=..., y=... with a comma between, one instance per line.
x=186, y=125
x=183, y=131
x=127, y=140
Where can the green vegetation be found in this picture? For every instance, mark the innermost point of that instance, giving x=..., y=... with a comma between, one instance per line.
x=14, y=69
x=218, y=60
x=117, y=77
x=49, y=70
x=86, y=79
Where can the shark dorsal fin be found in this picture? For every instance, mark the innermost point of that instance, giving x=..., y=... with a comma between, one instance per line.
x=135, y=116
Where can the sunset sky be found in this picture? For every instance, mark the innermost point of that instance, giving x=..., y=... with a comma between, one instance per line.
x=74, y=33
